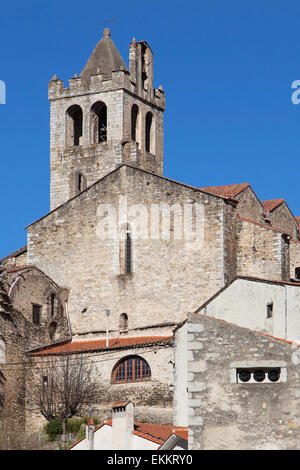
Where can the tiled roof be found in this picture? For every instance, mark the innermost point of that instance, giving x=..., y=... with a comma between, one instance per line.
x=181, y=432
x=157, y=433
x=74, y=347
x=104, y=59
x=297, y=220
x=228, y=190
x=272, y=204
x=118, y=404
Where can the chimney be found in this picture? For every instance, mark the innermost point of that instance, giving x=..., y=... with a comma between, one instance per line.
x=122, y=425
x=89, y=434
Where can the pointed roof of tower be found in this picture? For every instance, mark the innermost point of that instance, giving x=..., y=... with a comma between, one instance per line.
x=104, y=59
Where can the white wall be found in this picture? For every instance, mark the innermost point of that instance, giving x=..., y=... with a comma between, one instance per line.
x=103, y=441
x=180, y=399
x=244, y=303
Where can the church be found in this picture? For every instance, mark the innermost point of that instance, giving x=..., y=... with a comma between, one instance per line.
x=125, y=253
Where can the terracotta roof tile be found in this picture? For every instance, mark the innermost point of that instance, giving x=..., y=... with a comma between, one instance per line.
x=181, y=432
x=272, y=204
x=117, y=404
x=297, y=220
x=100, y=344
x=228, y=190
x=157, y=433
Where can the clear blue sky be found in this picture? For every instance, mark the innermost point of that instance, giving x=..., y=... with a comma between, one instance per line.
x=226, y=67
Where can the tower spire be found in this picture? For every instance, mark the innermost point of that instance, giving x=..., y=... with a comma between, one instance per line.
x=104, y=59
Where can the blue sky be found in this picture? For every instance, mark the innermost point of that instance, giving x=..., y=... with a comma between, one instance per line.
x=226, y=67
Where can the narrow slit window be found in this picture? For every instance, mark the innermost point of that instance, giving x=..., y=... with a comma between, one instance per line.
x=270, y=310
x=134, y=122
x=80, y=182
x=52, y=305
x=128, y=248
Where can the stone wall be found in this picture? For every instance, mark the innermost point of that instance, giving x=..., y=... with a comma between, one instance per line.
x=17, y=334
x=169, y=276
x=152, y=399
x=282, y=218
x=224, y=414
x=294, y=257
x=30, y=286
x=249, y=205
x=259, y=251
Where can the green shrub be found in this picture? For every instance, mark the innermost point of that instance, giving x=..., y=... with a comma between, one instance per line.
x=53, y=429
x=73, y=425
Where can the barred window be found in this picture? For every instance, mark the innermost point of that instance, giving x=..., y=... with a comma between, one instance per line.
x=131, y=369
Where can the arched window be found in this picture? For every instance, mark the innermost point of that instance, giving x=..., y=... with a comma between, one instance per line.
x=98, y=122
x=52, y=329
x=131, y=369
x=123, y=323
x=149, y=134
x=74, y=125
x=134, y=123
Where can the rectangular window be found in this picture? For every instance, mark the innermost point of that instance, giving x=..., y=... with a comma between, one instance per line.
x=36, y=314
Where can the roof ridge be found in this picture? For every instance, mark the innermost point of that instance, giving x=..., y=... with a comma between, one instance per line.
x=100, y=344
x=221, y=189
x=142, y=170
x=118, y=337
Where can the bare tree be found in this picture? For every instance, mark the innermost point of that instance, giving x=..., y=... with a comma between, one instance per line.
x=63, y=386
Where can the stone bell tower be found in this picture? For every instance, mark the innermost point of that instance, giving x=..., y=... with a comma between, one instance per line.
x=108, y=115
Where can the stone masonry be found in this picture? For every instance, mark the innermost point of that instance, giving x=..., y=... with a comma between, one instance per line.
x=222, y=414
